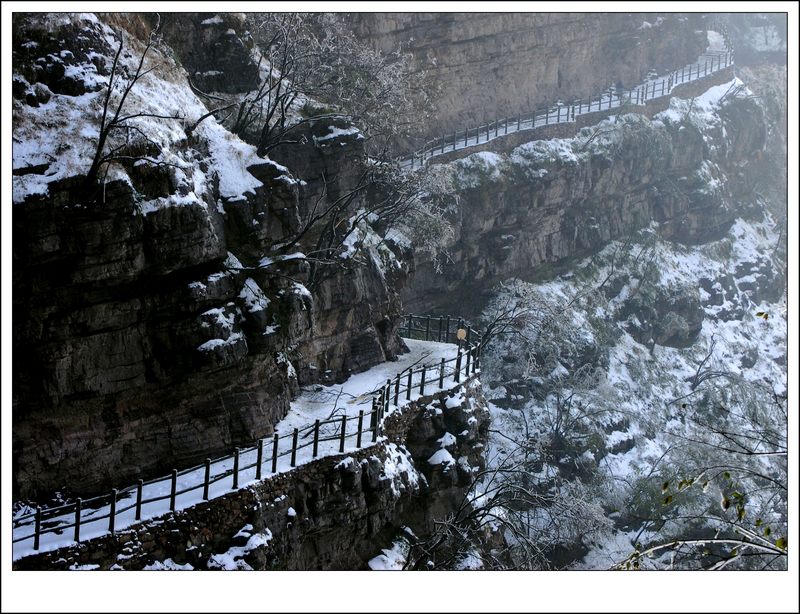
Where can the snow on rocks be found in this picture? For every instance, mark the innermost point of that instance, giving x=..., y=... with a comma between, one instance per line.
x=253, y=297
x=165, y=107
x=334, y=132
x=233, y=559
x=702, y=110
x=167, y=565
x=442, y=457
x=398, y=467
x=391, y=559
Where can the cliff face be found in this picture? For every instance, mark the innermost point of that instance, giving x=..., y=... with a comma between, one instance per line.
x=159, y=324
x=548, y=202
x=482, y=66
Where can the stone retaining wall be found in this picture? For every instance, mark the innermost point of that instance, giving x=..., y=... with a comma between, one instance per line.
x=332, y=513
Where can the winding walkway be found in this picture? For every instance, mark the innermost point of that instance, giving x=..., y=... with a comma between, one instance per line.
x=718, y=56
x=323, y=421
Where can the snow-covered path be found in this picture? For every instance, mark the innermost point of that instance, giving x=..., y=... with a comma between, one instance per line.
x=314, y=403
x=716, y=57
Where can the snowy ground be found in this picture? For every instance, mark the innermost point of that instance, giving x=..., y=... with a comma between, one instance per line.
x=314, y=403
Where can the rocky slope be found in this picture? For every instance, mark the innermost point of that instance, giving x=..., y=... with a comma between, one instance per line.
x=526, y=213
x=630, y=361
x=161, y=323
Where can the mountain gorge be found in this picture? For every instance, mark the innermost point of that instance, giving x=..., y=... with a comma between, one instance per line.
x=629, y=277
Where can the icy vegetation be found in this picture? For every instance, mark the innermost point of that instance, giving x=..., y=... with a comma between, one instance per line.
x=654, y=377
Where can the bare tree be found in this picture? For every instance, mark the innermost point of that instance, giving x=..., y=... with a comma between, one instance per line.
x=313, y=67
x=724, y=498
x=509, y=519
x=114, y=119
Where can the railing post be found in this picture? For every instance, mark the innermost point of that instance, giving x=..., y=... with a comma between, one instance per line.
x=410, y=317
x=469, y=357
x=139, y=489
x=77, y=533
x=457, y=376
x=387, y=395
x=206, y=479
x=447, y=332
x=441, y=374
x=397, y=390
x=519, y=120
x=112, y=512
x=294, y=449
x=259, y=458
x=408, y=387
x=360, y=427
x=466, y=136
x=439, y=335
x=469, y=334
x=705, y=68
x=475, y=360
x=374, y=419
x=344, y=429
x=275, y=438
x=173, y=490
x=427, y=328
x=558, y=115
x=454, y=140
x=236, y=469
x=316, y=439
x=505, y=127
x=547, y=116
x=37, y=527
x=422, y=383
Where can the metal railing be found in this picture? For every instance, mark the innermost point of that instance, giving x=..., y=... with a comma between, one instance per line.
x=264, y=457
x=710, y=62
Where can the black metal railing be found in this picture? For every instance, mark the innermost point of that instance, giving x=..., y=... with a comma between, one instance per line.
x=709, y=63
x=262, y=458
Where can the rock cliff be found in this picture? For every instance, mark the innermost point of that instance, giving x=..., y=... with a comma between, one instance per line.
x=161, y=323
x=482, y=66
x=534, y=210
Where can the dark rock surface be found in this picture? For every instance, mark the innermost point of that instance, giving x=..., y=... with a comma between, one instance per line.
x=146, y=333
